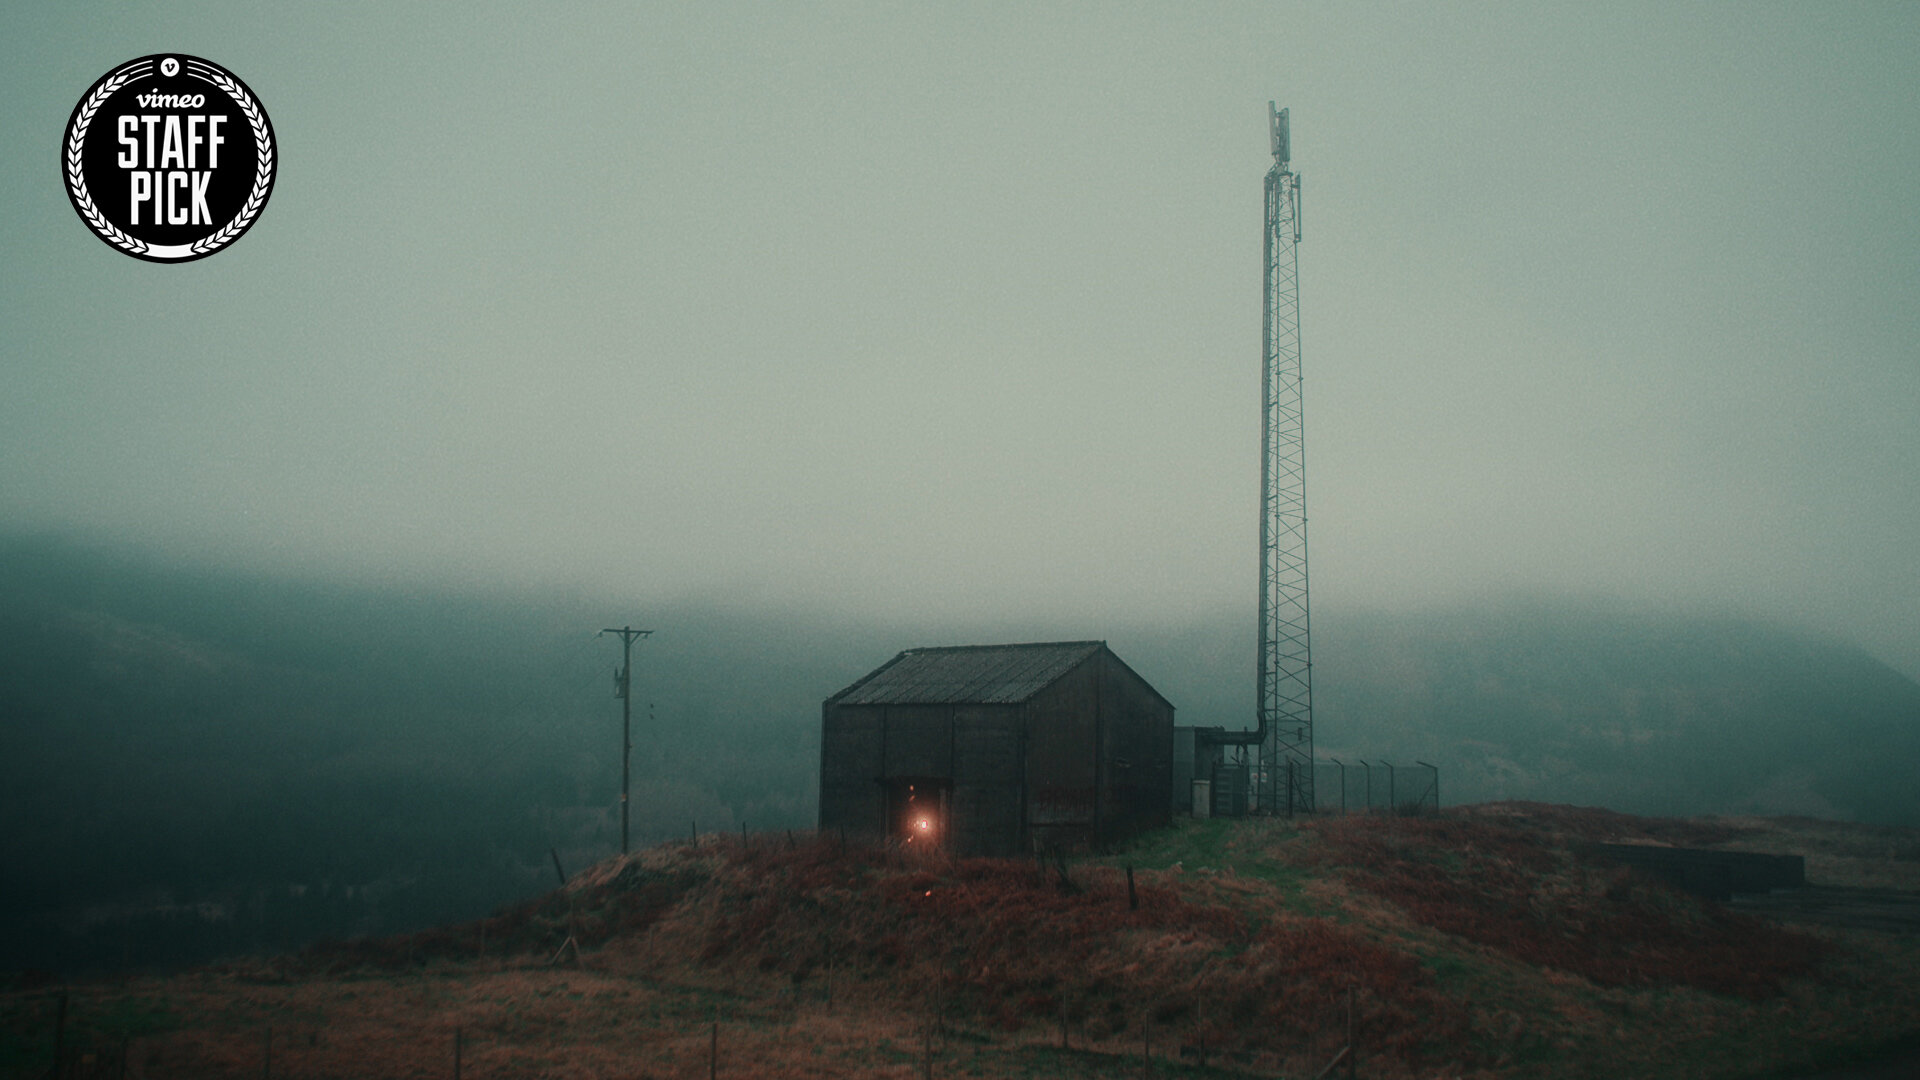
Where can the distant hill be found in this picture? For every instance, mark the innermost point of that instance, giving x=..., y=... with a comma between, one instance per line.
x=1584, y=702
x=252, y=762
x=1660, y=714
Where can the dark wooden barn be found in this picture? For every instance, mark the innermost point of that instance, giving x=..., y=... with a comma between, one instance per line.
x=997, y=749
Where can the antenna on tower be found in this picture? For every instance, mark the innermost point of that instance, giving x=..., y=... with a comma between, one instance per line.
x=1284, y=706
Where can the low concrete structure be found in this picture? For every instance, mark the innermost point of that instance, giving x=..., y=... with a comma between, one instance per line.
x=1716, y=875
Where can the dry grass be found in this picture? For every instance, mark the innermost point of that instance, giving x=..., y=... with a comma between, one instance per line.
x=1470, y=945
x=1496, y=884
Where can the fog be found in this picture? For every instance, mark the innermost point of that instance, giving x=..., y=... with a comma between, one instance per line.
x=805, y=334
x=198, y=763
x=953, y=313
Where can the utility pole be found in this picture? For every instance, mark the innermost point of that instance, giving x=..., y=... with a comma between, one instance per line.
x=623, y=689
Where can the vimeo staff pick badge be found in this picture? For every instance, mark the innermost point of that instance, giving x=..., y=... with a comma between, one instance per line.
x=169, y=158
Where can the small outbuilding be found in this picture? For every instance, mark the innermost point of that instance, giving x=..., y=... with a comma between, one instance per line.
x=997, y=749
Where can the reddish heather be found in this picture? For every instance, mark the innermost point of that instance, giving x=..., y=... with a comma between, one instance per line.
x=818, y=960
x=1506, y=884
x=1012, y=944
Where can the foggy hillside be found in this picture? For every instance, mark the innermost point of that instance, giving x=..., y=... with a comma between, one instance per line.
x=1596, y=704
x=1653, y=714
x=247, y=763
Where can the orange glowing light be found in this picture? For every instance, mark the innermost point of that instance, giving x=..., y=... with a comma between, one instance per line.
x=924, y=824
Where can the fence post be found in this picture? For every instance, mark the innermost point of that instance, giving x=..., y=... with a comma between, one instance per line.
x=456, y=1052
x=266, y=1069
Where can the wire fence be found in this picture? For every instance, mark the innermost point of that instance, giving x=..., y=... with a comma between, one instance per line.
x=1374, y=785
x=1237, y=788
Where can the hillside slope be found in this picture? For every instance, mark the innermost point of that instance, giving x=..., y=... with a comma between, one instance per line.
x=1470, y=944
x=197, y=764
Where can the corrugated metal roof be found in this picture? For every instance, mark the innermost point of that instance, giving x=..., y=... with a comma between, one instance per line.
x=968, y=674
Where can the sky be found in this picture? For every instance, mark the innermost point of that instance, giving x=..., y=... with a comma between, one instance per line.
x=953, y=311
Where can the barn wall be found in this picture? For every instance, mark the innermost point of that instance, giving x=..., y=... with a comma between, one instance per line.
x=1062, y=766
x=985, y=818
x=852, y=740
x=1086, y=760
x=977, y=747
x=919, y=741
x=1137, y=743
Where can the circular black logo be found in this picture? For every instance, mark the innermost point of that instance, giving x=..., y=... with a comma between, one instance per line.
x=169, y=158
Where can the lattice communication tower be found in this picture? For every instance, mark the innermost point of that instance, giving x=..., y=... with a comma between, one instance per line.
x=1285, y=709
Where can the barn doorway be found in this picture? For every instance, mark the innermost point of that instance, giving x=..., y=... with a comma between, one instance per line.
x=917, y=808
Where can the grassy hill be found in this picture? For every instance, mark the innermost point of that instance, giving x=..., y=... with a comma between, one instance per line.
x=202, y=763
x=1474, y=943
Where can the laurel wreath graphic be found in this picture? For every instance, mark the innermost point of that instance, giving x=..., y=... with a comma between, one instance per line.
x=262, y=173
x=263, y=167
x=77, y=181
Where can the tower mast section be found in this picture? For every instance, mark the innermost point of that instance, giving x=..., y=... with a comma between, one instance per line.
x=1285, y=701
